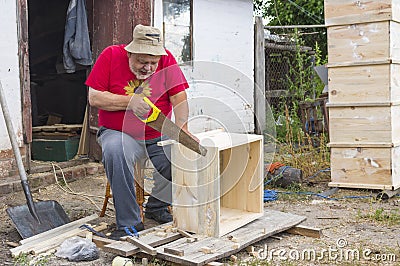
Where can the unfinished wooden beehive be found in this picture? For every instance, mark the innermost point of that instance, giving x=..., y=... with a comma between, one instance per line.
x=222, y=191
x=364, y=92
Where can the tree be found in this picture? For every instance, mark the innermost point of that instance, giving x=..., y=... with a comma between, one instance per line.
x=299, y=12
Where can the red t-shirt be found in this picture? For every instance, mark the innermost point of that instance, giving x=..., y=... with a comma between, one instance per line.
x=111, y=73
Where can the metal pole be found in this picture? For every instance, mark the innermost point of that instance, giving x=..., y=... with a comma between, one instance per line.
x=17, y=154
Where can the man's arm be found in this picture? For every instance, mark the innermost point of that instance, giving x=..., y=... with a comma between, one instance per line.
x=108, y=101
x=181, y=109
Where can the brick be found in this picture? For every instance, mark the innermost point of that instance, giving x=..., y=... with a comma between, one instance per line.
x=6, y=188
x=35, y=181
x=17, y=186
x=78, y=172
x=48, y=179
x=92, y=169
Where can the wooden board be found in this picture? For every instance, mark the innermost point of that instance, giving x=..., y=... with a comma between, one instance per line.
x=373, y=168
x=51, y=238
x=149, y=237
x=366, y=84
x=271, y=223
x=364, y=125
x=342, y=12
x=215, y=194
x=58, y=127
x=363, y=43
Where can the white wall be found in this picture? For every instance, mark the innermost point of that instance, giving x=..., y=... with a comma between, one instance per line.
x=221, y=77
x=9, y=71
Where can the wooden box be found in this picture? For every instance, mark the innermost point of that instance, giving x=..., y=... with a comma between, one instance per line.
x=57, y=150
x=222, y=191
x=360, y=167
x=365, y=84
x=360, y=44
x=364, y=125
x=341, y=12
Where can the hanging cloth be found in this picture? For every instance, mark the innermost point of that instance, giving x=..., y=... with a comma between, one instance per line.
x=76, y=48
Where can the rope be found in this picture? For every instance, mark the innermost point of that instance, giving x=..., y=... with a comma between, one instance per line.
x=270, y=195
x=320, y=171
x=277, y=176
x=70, y=190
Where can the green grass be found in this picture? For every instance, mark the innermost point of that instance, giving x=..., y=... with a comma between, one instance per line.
x=381, y=215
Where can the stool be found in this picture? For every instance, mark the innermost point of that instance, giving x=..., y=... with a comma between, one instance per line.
x=139, y=186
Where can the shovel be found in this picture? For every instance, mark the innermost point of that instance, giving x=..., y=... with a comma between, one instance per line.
x=33, y=218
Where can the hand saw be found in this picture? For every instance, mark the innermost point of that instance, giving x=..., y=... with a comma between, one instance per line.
x=158, y=121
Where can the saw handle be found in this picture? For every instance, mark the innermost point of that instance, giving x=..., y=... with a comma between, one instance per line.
x=156, y=111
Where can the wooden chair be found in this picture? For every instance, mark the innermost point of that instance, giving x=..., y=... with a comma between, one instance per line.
x=139, y=186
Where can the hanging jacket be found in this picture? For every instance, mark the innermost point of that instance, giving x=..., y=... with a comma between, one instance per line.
x=76, y=49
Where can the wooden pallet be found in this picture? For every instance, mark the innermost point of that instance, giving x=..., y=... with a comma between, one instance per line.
x=174, y=247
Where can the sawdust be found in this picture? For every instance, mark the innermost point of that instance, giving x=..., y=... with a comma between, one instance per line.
x=360, y=224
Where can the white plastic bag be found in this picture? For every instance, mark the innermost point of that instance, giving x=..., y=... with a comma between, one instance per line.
x=78, y=249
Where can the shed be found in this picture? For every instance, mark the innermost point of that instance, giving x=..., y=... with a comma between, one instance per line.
x=215, y=44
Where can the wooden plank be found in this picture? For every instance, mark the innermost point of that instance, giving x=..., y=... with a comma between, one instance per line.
x=271, y=223
x=364, y=124
x=58, y=127
x=47, y=244
x=370, y=62
x=305, y=231
x=363, y=42
x=361, y=145
x=24, y=74
x=365, y=85
x=372, y=168
x=359, y=104
x=343, y=12
x=101, y=241
x=225, y=140
x=242, y=174
x=143, y=246
x=51, y=238
x=259, y=76
x=148, y=237
x=363, y=186
x=58, y=230
x=177, y=252
x=195, y=190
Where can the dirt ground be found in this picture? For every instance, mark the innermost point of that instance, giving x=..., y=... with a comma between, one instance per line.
x=357, y=230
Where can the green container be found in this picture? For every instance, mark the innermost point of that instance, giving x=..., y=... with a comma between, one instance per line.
x=54, y=149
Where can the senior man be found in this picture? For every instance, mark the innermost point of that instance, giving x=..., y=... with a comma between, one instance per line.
x=120, y=75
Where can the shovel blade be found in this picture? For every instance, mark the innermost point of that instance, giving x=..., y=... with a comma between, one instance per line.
x=50, y=214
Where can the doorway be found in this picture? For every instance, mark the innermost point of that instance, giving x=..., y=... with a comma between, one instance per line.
x=58, y=98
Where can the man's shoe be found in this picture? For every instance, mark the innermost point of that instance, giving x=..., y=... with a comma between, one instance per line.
x=161, y=216
x=117, y=234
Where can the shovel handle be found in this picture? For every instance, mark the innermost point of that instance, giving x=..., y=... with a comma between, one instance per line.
x=17, y=154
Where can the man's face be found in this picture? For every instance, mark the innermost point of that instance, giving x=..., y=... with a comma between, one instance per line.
x=143, y=65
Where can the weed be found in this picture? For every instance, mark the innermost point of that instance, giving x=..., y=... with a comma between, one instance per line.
x=381, y=215
x=302, y=154
x=22, y=260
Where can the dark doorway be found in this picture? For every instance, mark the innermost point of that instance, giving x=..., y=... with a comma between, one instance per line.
x=57, y=97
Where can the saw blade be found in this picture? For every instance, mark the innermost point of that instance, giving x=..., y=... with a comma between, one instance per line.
x=164, y=125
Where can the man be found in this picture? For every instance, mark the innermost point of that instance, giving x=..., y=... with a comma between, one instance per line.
x=119, y=79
